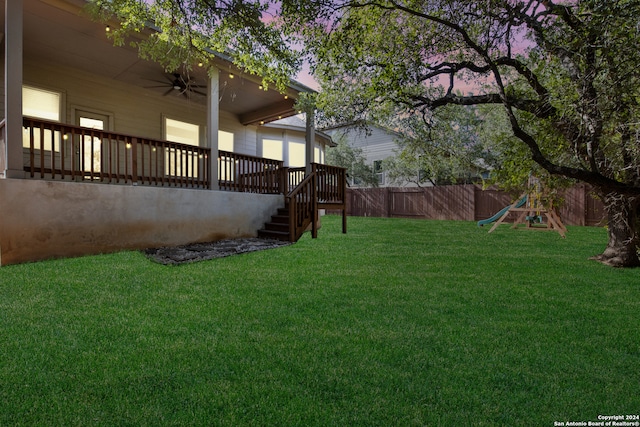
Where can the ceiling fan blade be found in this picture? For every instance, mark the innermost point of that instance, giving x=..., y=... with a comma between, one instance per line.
x=158, y=81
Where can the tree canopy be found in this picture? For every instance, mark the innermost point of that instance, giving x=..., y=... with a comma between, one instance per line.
x=446, y=149
x=184, y=32
x=564, y=75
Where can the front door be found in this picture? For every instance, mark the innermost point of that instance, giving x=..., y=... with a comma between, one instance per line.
x=89, y=154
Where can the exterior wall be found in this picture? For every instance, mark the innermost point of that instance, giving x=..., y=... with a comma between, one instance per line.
x=135, y=110
x=43, y=219
x=287, y=137
x=244, y=137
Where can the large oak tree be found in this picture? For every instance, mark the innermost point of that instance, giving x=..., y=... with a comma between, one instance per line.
x=564, y=74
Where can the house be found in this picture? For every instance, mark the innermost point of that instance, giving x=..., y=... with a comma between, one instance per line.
x=102, y=151
x=377, y=144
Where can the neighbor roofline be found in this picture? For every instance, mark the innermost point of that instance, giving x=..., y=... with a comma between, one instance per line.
x=360, y=124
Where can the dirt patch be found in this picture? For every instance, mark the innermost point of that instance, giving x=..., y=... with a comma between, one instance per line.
x=205, y=251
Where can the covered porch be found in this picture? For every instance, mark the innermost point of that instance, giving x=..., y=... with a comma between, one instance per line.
x=53, y=47
x=68, y=189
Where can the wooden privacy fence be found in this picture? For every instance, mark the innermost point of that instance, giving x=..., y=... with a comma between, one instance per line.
x=462, y=202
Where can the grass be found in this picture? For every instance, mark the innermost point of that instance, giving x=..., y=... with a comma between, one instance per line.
x=398, y=323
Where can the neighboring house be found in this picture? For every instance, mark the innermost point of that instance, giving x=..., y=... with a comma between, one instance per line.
x=102, y=151
x=377, y=144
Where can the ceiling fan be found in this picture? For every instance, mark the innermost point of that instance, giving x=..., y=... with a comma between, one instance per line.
x=178, y=85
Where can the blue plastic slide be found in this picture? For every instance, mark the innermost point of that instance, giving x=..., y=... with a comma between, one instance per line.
x=502, y=211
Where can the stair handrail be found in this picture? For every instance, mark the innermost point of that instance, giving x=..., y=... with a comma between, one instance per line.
x=324, y=182
x=303, y=211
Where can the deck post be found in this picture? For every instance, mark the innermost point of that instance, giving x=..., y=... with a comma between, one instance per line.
x=213, y=125
x=314, y=202
x=310, y=138
x=13, y=66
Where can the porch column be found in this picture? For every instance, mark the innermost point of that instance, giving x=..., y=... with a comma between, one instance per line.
x=12, y=150
x=213, y=124
x=310, y=140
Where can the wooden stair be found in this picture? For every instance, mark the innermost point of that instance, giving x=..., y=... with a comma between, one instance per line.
x=323, y=187
x=278, y=227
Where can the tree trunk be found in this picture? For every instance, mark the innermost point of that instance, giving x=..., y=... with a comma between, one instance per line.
x=623, y=227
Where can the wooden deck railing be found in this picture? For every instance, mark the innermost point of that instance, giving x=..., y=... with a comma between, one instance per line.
x=57, y=151
x=61, y=151
x=332, y=184
x=325, y=187
x=243, y=173
x=294, y=177
x=303, y=209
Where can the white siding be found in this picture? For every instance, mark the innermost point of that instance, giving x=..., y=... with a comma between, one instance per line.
x=376, y=144
x=135, y=110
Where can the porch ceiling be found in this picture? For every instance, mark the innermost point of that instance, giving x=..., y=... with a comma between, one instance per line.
x=60, y=32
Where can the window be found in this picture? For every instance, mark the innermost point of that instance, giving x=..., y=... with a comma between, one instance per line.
x=377, y=169
x=272, y=149
x=182, y=132
x=90, y=148
x=226, y=166
x=318, y=154
x=87, y=122
x=225, y=141
x=178, y=161
x=41, y=104
x=296, y=154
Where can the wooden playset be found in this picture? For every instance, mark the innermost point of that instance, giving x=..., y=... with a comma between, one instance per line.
x=534, y=213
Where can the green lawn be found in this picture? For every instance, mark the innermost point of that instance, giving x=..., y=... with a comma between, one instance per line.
x=397, y=323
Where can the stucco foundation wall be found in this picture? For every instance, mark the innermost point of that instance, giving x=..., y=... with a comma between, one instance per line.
x=44, y=219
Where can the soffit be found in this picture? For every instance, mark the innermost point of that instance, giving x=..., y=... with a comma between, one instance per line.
x=60, y=32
